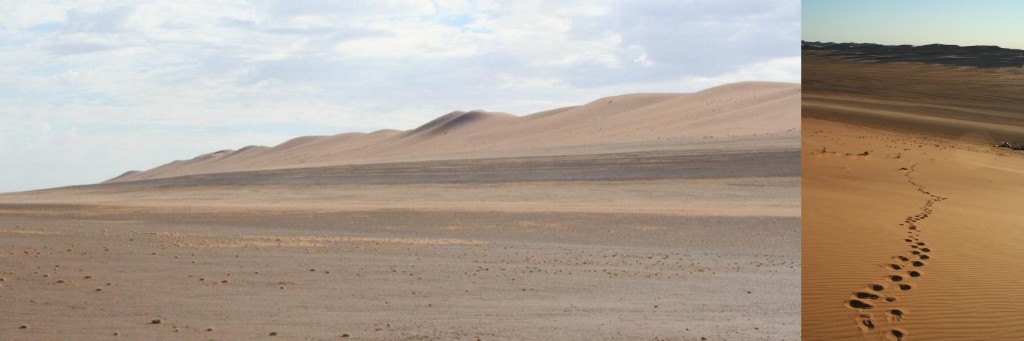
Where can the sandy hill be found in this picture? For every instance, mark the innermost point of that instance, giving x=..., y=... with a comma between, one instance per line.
x=739, y=109
x=947, y=90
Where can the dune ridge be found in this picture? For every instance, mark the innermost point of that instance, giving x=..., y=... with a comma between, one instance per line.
x=982, y=56
x=738, y=109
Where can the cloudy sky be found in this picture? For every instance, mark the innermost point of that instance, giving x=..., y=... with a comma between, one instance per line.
x=90, y=89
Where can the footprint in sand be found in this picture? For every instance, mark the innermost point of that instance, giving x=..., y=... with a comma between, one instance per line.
x=894, y=315
x=858, y=304
x=895, y=334
x=867, y=322
x=866, y=296
x=864, y=301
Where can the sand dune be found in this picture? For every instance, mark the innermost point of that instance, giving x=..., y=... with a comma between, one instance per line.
x=910, y=226
x=970, y=103
x=617, y=219
x=651, y=121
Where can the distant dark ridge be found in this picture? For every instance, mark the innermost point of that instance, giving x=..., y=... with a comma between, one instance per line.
x=625, y=166
x=981, y=56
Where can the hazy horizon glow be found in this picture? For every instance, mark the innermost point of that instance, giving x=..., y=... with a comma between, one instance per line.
x=90, y=89
x=915, y=22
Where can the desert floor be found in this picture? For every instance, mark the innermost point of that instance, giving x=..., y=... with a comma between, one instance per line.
x=911, y=236
x=674, y=245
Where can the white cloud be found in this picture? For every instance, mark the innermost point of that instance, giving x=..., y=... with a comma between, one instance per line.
x=134, y=83
x=780, y=69
x=414, y=40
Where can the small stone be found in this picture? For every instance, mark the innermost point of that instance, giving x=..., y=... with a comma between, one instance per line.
x=273, y=333
x=24, y=326
x=99, y=289
x=209, y=329
x=88, y=277
x=156, y=321
x=224, y=281
x=117, y=333
x=345, y=335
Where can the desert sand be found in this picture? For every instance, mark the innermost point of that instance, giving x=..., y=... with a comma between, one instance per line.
x=575, y=235
x=911, y=217
x=611, y=124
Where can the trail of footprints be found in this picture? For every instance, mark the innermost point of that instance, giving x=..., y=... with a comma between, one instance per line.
x=883, y=297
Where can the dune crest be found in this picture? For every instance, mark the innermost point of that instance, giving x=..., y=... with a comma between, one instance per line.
x=738, y=109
